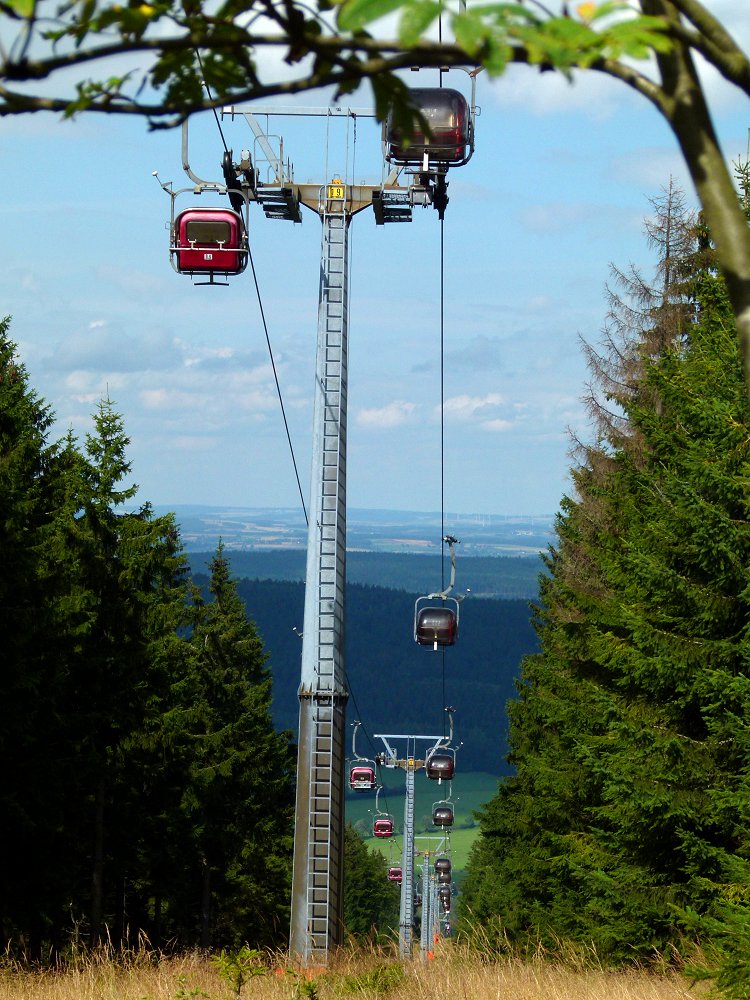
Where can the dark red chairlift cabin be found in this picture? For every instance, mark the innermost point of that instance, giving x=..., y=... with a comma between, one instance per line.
x=440, y=766
x=443, y=865
x=449, y=139
x=382, y=827
x=362, y=778
x=437, y=625
x=209, y=241
x=395, y=874
x=444, y=895
x=442, y=814
x=444, y=878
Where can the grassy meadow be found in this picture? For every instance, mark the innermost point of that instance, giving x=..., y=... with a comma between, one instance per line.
x=453, y=974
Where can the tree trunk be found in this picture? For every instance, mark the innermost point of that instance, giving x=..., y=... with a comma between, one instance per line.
x=97, y=878
x=205, y=906
x=684, y=106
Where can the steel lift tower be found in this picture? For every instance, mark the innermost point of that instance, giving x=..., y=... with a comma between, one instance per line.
x=410, y=763
x=211, y=244
x=317, y=882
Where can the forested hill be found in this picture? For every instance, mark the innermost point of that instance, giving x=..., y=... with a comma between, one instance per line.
x=395, y=685
x=484, y=576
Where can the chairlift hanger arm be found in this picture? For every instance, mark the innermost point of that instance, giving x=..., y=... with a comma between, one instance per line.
x=451, y=542
x=444, y=742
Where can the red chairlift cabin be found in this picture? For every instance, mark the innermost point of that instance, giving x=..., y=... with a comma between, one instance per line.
x=442, y=815
x=395, y=874
x=436, y=626
x=448, y=116
x=209, y=241
x=362, y=778
x=383, y=827
x=440, y=766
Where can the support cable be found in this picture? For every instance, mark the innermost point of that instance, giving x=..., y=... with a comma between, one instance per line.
x=278, y=387
x=263, y=320
x=442, y=431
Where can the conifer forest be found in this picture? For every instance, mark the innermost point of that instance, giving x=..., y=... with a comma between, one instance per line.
x=146, y=789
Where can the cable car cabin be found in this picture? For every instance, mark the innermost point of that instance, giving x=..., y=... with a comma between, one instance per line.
x=395, y=875
x=444, y=894
x=442, y=816
x=444, y=878
x=435, y=627
x=362, y=779
x=440, y=766
x=209, y=240
x=443, y=865
x=447, y=113
x=382, y=828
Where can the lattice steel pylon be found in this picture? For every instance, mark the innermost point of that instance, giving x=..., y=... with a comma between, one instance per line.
x=263, y=176
x=317, y=886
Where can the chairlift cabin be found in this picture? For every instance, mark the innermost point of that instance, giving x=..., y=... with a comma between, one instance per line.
x=382, y=827
x=443, y=865
x=440, y=766
x=447, y=139
x=395, y=874
x=444, y=895
x=436, y=625
x=442, y=814
x=444, y=878
x=209, y=241
x=362, y=778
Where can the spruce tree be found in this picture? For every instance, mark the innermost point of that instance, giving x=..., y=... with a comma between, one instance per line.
x=238, y=798
x=624, y=812
x=28, y=795
x=371, y=902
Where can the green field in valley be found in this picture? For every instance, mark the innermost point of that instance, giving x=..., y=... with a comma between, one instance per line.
x=467, y=792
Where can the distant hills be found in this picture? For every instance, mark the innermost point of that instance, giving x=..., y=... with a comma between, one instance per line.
x=496, y=556
x=248, y=528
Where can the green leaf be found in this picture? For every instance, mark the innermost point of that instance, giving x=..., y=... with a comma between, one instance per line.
x=470, y=31
x=24, y=8
x=415, y=19
x=355, y=14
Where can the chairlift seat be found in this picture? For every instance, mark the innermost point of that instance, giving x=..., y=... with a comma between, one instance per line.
x=436, y=626
x=440, y=766
x=208, y=240
x=442, y=816
x=362, y=779
x=448, y=116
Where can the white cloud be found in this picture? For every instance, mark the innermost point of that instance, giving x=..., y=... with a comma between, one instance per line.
x=496, y=425
x=465, y=407
x=392, y=415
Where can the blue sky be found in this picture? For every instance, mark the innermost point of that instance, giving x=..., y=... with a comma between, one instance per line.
x=556, y=191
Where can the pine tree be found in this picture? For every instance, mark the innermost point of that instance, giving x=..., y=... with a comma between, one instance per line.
x=28, y=474
x=115, y=588
x=624, y=811
x=238, y=800
x=371, y=902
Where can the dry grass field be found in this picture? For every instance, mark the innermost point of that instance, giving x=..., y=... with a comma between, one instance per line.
x=453, y=974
